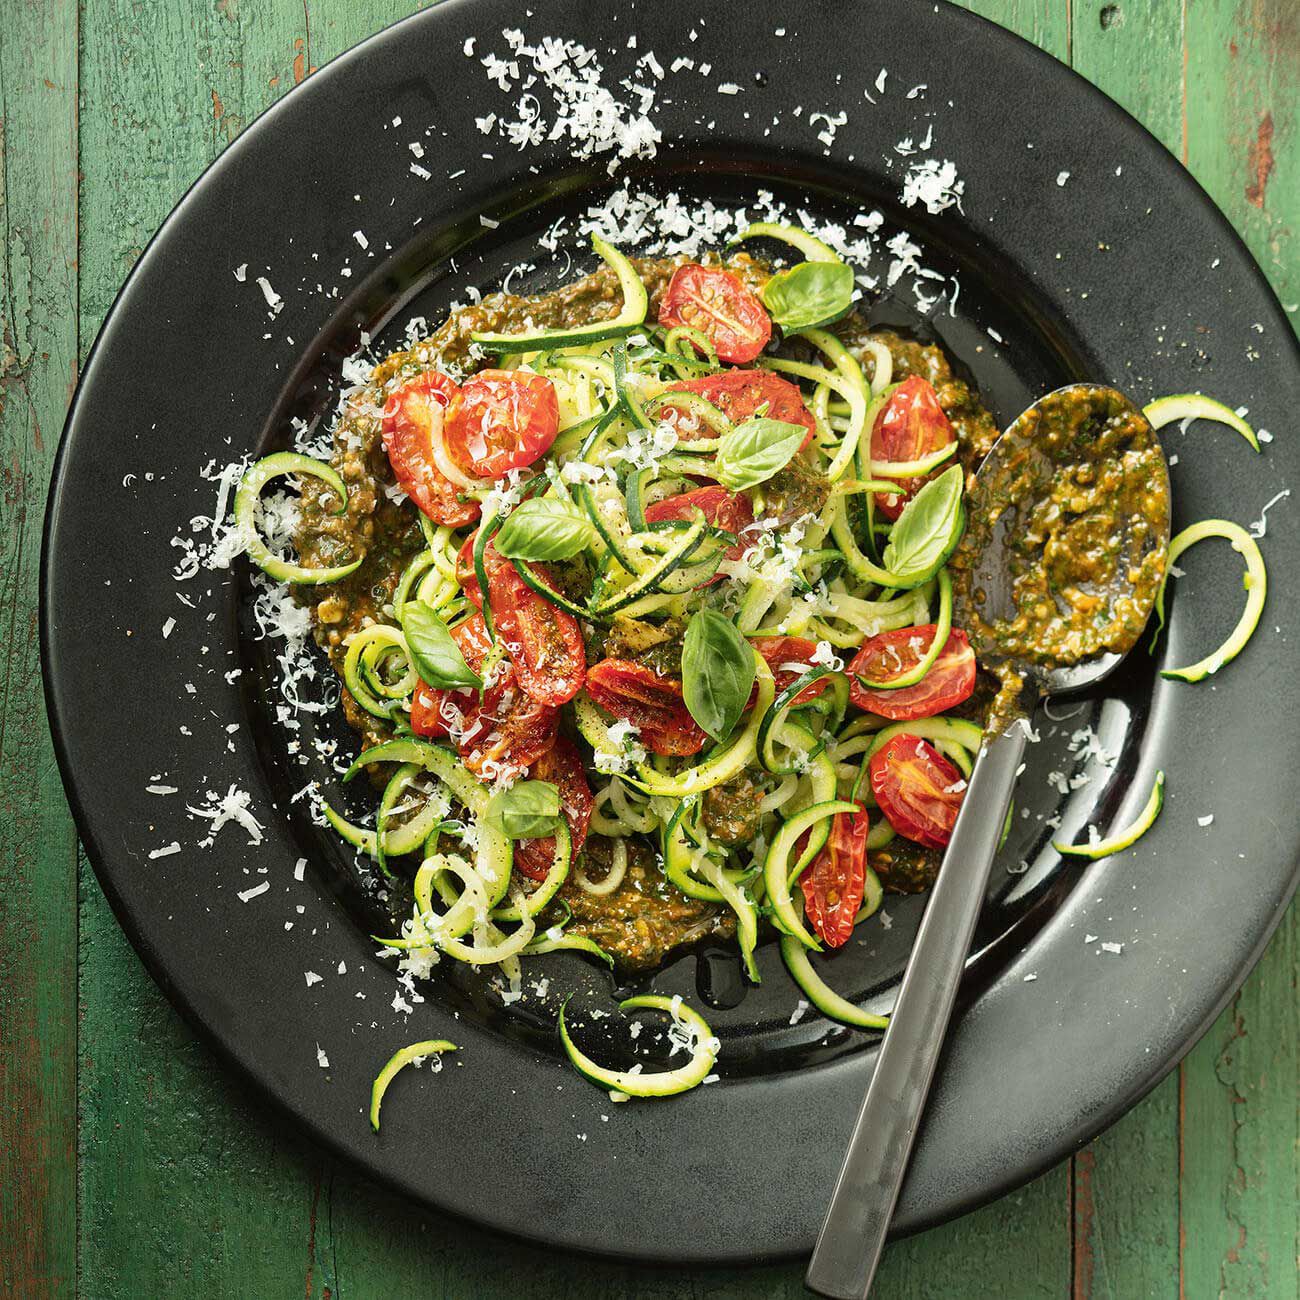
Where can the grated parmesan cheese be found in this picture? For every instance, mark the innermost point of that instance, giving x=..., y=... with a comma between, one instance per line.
x=221, y=810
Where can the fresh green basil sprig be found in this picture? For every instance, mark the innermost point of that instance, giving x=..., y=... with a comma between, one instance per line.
x=717, y=672
x=809, y=294
x=525, y=811
x=927, y=531
x=434, y=652
x=544, y=528
x=753, y=451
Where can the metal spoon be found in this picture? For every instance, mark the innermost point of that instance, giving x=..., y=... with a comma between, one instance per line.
x=1040, y=639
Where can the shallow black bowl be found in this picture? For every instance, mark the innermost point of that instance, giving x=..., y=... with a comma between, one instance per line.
x=1121, y=271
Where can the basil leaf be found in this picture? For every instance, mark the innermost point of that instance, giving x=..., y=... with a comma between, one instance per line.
x=525, y=811
x=717, y=672
x=753, y=451
x=544, y=528
x=928, y=530
x=810, y=294
x=435, y=655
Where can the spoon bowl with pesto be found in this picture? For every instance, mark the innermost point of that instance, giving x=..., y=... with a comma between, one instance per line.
x=1053, y=582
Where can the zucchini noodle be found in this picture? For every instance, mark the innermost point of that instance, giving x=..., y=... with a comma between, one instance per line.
x=1255, y=582
x=613, y=877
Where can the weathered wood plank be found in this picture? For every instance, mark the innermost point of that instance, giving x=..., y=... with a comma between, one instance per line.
x=1242, y=109
x=38, y=882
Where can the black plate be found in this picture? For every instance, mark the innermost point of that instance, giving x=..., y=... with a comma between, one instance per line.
x=1125, y=272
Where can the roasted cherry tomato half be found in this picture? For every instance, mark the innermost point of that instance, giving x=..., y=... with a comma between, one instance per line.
x=833, y=884
x=501, y=733
x=912, y=425
x=730, y=511
x=414, y=415
x=717, y=304
x=561, y=765
x=918, y=790
x=951, y=678
x=789, y=657
x=651, y=703
x=501, y=420
x=544, y=642
x=738, y=394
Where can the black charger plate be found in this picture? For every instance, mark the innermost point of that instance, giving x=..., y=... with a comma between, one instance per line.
x=1124, y=273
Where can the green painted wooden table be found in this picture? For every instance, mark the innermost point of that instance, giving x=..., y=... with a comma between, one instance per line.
x=131, y=1165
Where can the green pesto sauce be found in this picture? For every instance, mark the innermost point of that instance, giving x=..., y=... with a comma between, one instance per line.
x=1077, y=503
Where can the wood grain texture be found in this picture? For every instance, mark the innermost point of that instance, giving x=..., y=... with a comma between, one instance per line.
x=38, y=914
x=188, y=1185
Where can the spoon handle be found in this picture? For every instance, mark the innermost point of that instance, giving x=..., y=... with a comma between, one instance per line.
x=853, y=1233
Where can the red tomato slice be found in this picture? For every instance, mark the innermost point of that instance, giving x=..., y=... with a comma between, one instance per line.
x=738, y=394
x=951, y=678
x=501, y=420
x=651, y=703
x=918, y=790
x=409, y=420
x=912, y=425
x=500, y=734
x=789, y=657
x=833, y=884
x=730, y=511
x=562, y=767
x=717, y=304
x=544, y=642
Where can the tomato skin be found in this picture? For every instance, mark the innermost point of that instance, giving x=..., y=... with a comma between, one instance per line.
x=918, y=790
x=408, y=433
x=651, y=703
x=561, y=765
x=738, y=394
x=951, y=678
x=835, y=881
x=912, y=425
x=778, y=651
x=716, y=303
x=501, y=420
x=730, y=511
x=544, y=642
x=500, y=734
x=426, y=715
